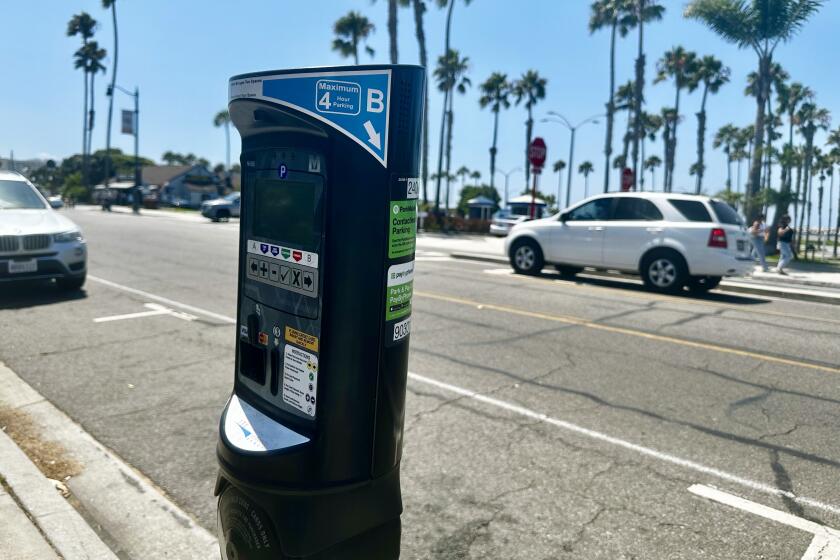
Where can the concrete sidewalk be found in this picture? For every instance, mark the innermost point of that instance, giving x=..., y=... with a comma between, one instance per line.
x=38, y=523
x=804, y=281
x=41, y=518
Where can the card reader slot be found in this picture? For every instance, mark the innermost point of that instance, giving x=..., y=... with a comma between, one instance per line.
x=252, y=362
x=275, y=370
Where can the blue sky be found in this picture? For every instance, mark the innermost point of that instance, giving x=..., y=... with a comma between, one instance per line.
x=182, y=53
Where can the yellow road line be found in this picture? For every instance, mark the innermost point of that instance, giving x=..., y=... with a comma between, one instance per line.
x=579, y=321
x=666, y=298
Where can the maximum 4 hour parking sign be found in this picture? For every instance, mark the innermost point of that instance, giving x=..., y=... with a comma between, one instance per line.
x=355, y=103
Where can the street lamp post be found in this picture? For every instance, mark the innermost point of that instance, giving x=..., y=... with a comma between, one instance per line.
x=507, y=177
x=573, y=129
x=138, y=179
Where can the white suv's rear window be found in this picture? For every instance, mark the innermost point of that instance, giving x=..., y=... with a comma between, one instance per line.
x=725, y=213
x=692, y=210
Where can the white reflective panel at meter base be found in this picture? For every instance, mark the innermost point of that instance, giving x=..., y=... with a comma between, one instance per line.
x=250, y=430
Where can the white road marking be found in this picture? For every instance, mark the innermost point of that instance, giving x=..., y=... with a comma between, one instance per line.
x=154, y=310
x=642, y=450
x=167, y=301
x=522, y=411
x=826, y=542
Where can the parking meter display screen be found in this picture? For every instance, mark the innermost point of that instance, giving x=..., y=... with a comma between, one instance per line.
x=284, y=211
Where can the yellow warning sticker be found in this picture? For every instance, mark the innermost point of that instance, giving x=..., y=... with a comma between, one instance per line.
x=302, y=339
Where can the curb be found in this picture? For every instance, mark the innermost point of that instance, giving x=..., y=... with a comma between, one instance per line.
x=137, y=518
x=60, y=524
x=730, y=286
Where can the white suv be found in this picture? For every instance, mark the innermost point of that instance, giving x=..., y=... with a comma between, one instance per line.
x=671, y=240
x=36, y=242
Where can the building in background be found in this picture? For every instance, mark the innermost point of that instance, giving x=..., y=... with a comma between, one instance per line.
x=183, y=185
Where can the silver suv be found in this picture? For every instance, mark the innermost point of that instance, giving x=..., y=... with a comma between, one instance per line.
x=221, y=209
x=36, y=242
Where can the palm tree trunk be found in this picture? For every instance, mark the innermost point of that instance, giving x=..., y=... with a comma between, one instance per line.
x=440, y=150
x=450, y=118
x=673, y=142
x=754, y=183
x=642, y=173
x=701, y=140
x=653, y=178
x=639, y=90
x=728, y=169
x=392, y=29
x=493, y=148
x=627, y=138
x=819, y=211
x=806, y=172
x=419, y=7
x=610, y=111
x=837, y=227
x=111, y=96
x=91, y=111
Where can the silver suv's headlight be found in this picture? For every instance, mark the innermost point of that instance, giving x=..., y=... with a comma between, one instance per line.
x=68, y=237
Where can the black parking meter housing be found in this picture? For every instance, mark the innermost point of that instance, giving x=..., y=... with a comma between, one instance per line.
x=311, y=439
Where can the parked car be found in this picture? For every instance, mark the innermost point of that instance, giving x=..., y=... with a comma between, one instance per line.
x=503, y=221
x=221, y=209
x=55, y=201
x=36, y=242
x=671, y=240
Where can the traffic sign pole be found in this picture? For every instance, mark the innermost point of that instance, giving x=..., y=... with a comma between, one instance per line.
x=537, y=153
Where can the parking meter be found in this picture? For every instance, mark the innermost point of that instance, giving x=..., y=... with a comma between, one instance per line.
x=311, y=438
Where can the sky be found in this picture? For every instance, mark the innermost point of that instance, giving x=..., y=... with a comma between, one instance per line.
x=181, y=54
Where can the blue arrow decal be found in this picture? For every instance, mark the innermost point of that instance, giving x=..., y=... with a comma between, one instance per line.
x=244, y=431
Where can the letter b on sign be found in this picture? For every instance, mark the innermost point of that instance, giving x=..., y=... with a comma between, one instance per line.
x=375, y=103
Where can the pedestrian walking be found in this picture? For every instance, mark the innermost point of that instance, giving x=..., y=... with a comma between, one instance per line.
x=758, y=235
x=785, y=237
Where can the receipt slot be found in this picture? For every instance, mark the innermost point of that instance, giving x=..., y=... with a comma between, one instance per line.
x=311, y=438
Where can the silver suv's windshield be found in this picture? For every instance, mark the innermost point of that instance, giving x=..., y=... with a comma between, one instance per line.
x=15, y=195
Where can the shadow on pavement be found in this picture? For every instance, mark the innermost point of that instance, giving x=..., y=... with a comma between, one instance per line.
x=634, y=285
x=20, y=295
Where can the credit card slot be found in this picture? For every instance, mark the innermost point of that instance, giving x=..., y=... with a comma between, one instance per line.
x=252, y=362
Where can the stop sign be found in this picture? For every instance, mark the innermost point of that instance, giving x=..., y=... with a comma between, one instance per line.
x=627, y=178
x=537, y=152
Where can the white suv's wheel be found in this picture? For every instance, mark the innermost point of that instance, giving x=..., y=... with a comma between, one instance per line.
x=526, y=257
x=664, y=271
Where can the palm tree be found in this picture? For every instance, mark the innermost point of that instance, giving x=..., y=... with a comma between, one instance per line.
x=712, y=75
x=789, y=99
x=645, y=11
x=651, y=124
x=222, y=118
x=834, y=140
x=112, y=4
x=623, y=101
x=669, y=118
x=419, y=8
x=463, y=172
x=450, y=76
x=558, y=167
x=83, y=25
x=475, y=176
x=810, y=118
x=761, y=26
x=612, y=14
x=447, y=94
x=495, y=93
x=778, y=82
x=651, y=164
x=585, y=169
x=351, y=30
x=531, y=89
x=680, y=65
x=726, y=137
x=94, y=56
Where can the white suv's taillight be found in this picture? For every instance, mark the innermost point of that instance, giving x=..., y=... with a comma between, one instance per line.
x=718, y=238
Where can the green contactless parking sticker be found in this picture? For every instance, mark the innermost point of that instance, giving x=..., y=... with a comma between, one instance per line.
x=402, y=228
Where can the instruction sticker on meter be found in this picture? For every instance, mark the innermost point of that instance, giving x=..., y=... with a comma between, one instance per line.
x=402, y=228
x=300, y=379
x=400, y=289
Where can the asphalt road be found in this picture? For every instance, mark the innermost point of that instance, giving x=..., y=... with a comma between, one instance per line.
x=546, y=419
